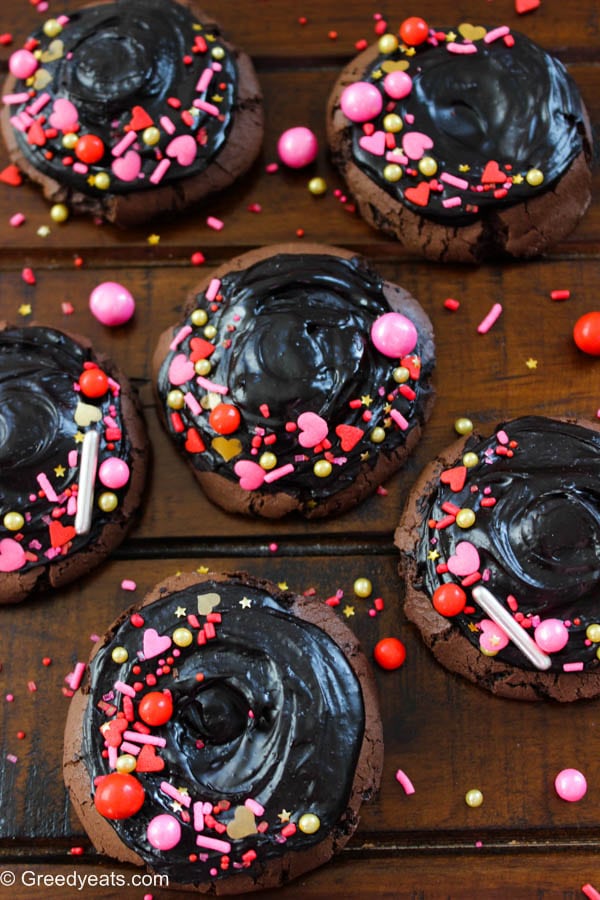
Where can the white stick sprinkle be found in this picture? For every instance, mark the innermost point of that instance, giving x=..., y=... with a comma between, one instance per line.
x=87, y=481
x=501, y=616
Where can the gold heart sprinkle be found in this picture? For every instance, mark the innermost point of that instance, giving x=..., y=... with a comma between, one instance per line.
x=207, y=602
x=242, y=824
x=391, y=66
x=40, y=80
x=55, y=50
x=228, y=448
x=471, y=32
x=85, y=414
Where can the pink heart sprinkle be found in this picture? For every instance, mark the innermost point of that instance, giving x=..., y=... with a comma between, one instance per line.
x=415, y=143
x=64, y=115
x=313, y=429
x=183, y=148
x=128, y=166
x=181, y=369
x=251, y=475
x=374, y=143
x=492, y=638
x=465, y=560
x=155, y=643
x=12, y=555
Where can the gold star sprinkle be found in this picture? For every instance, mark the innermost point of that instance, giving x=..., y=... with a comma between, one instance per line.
x=176, y=806
x=473, y=627
x=433, y=555
x=282, y=585
x=531, y=363
x=348, y=611
x=245, y=602
x=180, y=612
x=78, y=437
x=284, y=816
x=59, y=471
x=376, y=74
x=364, y=456
x=517, y=179
x=153, y=239
x=43, y=231
x=202, y=570
x=464, y=167
x=25, y=309
x=216, y=98
x=451, y=36
x=366, y=400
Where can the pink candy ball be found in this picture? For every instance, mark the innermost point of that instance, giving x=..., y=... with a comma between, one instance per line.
x=551, y=635
x=297, y=147
x=397, y=85
x=570, y=784
x=361, y=101
x=164, y=832
x=111, y=303
x=22, y=64
x=394, y=335
x=114, y=473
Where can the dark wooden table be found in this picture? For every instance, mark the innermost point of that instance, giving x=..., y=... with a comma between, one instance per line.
x=446, y=734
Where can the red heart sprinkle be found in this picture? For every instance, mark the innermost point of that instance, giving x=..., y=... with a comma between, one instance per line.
x=201, y=349
x=525, y=6
x=60, y=534
x=493, y=174
x=194, y=443
x=455, y=478
x=349, y=436
x=148, y=761
x=11, y=175
x=418, y=195
x=140, y=119
x=35, y=135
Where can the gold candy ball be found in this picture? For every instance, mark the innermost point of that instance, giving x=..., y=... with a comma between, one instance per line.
x=202, y=366
x=175, y=399
x=199, y=317
x=387, y=43
x=52, y=28
x=108, y=501
x=378, y=435
x=534, y=177
x=470, y=459
x=125, y=763
x=210, y=332
x=592, y=633
x=392, y=172
x=427, y=166
x=474, y=797
x=217, y=52
x=317, y=186
x=59, y=213
x=120, y=655
x=465, y=518
x=182, y=637
x=392, y=122
x=69, y=140
x=462, y=425
x=309, y=823
x=267, y=460
x=14, y=521
x=151, y=135
x=400, y=374
x=102, y=181
x=363, y=587
x=322, y=468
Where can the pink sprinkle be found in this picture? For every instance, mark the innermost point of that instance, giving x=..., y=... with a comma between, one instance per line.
x=198, y=816
x=17, y=220
x=47, y=488
x=573, y=667
x=124, y=688
x=213, y=289
x=38, y=104
x=486, y=323
x=271, y=168
x=128, y=585
x=496, y=33
x=192, y=404
x=399, y=419
x=209, y=108
x=461, y=48
x=502, y=438
x=138, y=738
x=9, y=698
x=174, y=794
x=32, y=686
x=76, y=676
x=113, y=755
x=590, y=892
x=167, y=124
x=80, y=168
x=403, y=779
x=204, y=80
x=273, y=547
x=210, y=843
x=12, y=758
x=129, y=139
x=9, y=99
x=126, y=747
x=254, y=806
x=274, y=474
x=393, y=156
x=28, y=275
x=211, y=385
x=454, y=180
x=160, y=171
x=67, y=308
x=214, y=223
x=451, y=201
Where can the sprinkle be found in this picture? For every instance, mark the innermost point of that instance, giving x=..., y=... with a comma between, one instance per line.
x=209, y=108
x=403, y=779
x=271, y=168
x=573, y=667
x=501, y=616
x=451, y=201
x=213, y=289
x=192, y=404
x=17, y=220
x=451, y=304
x=180, y=336
x=274, y=474
x=9, y=99
x=461, y=48
x=172, y=792
x=76, y=676
x=590, y=892
x=204, y=80
x=254, y=806
x=214, y=223
x=34, y=108
x=493, y=315
x=399, y=419
x=129, y=139
x=211, y=385
x=496, y=33
x=197, y=258
x=198, y=816
x=47, y=488
x=31, y=687
x=454, y=180
x=167, y=125
x=12, y=758
x=560, y=295
x=87, y=481
x=139, y=738
x=213, y=843
x=124, y=688
x=160, y=171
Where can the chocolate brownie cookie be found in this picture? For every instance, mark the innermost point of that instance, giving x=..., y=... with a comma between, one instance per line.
x=226, y=734
x=463, y=143
x=73, y=458
x=131, y=108
x=499, y=544
x=298, y=380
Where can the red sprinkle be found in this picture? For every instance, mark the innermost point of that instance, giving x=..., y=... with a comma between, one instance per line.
x=560, y=295
x=361, y=45
x=197, y=258
x=6, y=39
x=451, y=304
x=28, y=276
x=332, y=35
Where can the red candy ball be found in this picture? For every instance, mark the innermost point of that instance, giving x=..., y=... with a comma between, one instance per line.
x=389, y=653
x=93, y=382
x=414, y=31
x=225, y=418
x=586, y=333
x=449, y=599
x=89, y=149
x=119, y=796
x=156, y=708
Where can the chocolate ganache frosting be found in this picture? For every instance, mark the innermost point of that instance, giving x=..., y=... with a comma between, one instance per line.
x=52, y=392
x=470, y=119
x=295, y=395
x=264, y=713
x=123, y=96
x=520, y=515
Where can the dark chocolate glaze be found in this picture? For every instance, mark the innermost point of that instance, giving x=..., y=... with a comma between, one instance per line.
x=38, y=370
x=296, y=751
x=540, y=542
x=514, y=105
x=123, y=55
x=297, y=328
